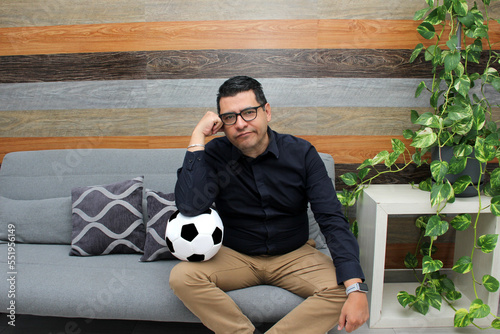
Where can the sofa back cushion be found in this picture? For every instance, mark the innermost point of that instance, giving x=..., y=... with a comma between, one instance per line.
x=36, y=220
x=36, y=184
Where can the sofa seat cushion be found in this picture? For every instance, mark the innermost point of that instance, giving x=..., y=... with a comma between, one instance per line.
x=118, y=286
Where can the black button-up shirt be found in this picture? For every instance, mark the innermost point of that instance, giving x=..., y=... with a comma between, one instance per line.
x=263, y=201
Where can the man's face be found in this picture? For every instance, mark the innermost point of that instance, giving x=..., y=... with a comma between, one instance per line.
x=249, y=137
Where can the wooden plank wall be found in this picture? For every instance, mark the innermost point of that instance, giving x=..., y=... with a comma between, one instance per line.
x=140, y=73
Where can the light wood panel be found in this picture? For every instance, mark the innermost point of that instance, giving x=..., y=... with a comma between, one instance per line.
x=344, y=149
x=181, y=121
x=206, y=35
x=19, y=13
x=193, y=93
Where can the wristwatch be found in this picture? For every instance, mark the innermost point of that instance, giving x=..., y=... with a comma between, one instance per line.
x=361, y=287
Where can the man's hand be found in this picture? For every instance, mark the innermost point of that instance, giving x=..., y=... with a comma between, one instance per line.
x=354, y=312
x=209, y=125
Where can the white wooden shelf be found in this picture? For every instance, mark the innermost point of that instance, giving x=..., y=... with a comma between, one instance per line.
x=374, y=207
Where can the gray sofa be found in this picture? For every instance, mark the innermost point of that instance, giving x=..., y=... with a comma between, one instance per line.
x=36, y=210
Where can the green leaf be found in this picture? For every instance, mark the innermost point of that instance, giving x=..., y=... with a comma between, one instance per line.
x=439, y=169
x=410, y=261
x=413, y=113
x=433, y=53
x=381, y=156
x=461, y=222
x=436, y=227
x=427, y=250
x=474, y=51
x=462, y=85
x=460, y=7
x=451, y=60
x=429, y=119
x=418, y=49
x=462, y=150
x=461, y=184
x=490, y=283
x=462, y=318
x=478, y=309
x=426, y=30
x=366, y=163
x=363, y=173
x=452, y=42
x=405, y=299
x=421, y=86
x=487, y=242
x=430, y=265
x=391, y=160
x=424, y=138
x=434, y=299
x=354, y=228
x=397, y=146
x=457, y=165
x=484, y=152
x=441, y=193
x=495, y=178
x=496, y=84
x=425, y=185
x=346, y=198
x=463, y=265
x=445, y=284
x=479, y=119
x=495, y=323
x=421, y=306
x=454, y=295
x=421, y=222
x=420, y=14
x=349, y=179
x=495, y=205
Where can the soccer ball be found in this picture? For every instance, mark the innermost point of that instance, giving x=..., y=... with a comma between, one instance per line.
x=196, y=238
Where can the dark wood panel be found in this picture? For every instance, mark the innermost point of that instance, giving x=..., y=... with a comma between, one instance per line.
x=412, y=173
x=286, y=63
x=207, y=64
x=73, y=67
x=395, y=254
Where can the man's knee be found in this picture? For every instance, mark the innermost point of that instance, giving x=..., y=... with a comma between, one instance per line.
x=178, y=276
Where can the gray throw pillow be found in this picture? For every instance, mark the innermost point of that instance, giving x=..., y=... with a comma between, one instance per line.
x=160, y=207
x=108, y=219
x=39, y=221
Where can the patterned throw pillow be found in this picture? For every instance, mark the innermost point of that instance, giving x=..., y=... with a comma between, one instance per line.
x=108, y=219
x=160, y=207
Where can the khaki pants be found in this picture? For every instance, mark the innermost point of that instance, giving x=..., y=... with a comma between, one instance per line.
x=306, y=272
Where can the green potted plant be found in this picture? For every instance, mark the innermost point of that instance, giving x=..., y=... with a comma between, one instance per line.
x=463, y=86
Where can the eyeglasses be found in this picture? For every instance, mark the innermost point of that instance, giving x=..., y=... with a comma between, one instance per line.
x=248, y=114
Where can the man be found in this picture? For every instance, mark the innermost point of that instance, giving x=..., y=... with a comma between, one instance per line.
x=261, y=183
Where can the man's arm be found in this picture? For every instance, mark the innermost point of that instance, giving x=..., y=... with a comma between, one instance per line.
x=355, y=310
x=192, y=196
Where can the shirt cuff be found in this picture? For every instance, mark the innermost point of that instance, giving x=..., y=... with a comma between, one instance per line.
x=349, y=270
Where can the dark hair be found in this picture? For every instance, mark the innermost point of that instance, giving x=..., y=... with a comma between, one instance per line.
x=239, y=84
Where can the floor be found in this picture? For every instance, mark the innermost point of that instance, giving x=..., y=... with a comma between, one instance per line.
x=44, y=325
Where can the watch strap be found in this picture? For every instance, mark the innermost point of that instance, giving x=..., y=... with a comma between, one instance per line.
x=362, y=287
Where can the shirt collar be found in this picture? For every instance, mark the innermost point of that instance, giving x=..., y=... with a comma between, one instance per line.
x=271, y=148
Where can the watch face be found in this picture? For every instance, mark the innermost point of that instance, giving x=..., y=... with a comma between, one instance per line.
x=363, y=287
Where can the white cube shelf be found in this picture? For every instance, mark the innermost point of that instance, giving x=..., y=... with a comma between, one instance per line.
x=374, y=207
